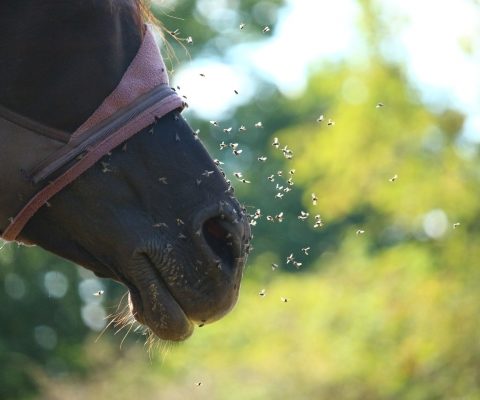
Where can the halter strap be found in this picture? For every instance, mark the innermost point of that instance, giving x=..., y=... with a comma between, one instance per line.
x=94, y=135
x=33, y=125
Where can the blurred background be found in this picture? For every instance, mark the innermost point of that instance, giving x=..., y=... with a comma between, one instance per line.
x=364, y=278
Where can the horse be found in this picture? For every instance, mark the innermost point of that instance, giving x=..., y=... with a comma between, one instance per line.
x=151, y=210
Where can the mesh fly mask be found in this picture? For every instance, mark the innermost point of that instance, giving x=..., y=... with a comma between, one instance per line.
x=37, y=161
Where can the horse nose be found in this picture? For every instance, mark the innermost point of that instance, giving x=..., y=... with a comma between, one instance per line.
x=223, y=235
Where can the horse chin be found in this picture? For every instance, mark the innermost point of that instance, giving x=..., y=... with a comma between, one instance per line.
x=152, y=305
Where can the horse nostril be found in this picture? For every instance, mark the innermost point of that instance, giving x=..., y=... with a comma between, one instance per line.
x=221, y=235
x=224, y=238
x=220, y=238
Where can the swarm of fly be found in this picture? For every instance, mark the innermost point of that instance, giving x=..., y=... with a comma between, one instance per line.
x=281, y=184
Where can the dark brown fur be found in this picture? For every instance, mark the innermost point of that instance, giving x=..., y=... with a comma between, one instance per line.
x=58, y=61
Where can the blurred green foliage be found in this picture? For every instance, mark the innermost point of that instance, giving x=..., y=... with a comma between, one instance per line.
x=27, y=312
x=212, y=24
x=385, y=306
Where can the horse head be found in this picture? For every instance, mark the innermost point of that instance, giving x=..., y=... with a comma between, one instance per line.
x=153, y=212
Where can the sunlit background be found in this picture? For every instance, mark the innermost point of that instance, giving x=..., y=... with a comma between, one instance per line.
x=363, y=283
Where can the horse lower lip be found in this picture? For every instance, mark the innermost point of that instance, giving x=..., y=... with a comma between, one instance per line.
x=153, y=305
x=135, y=305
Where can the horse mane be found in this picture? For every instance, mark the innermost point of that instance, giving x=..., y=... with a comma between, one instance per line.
x=140, y=8
x=144, y=13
